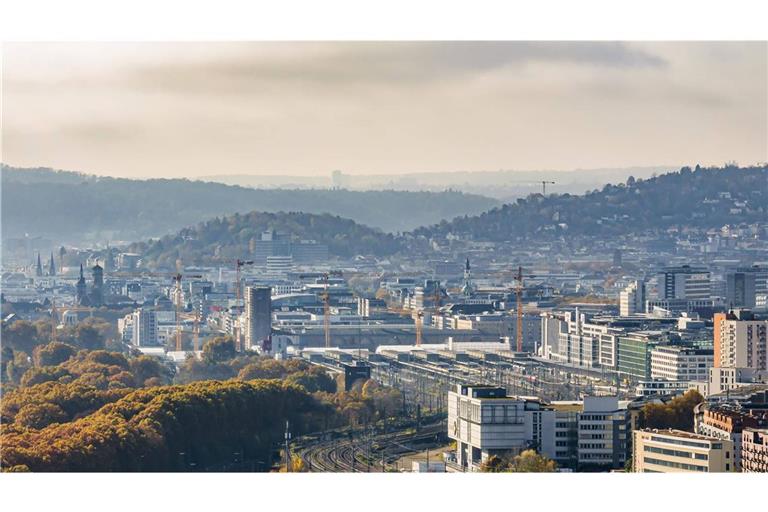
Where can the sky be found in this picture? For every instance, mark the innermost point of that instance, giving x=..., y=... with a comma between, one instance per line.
x=258, y=108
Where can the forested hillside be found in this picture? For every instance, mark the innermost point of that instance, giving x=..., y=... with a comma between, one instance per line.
x=74, y=207
x=225, y=239
x=704, y=198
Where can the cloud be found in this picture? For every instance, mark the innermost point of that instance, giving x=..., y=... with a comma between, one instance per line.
x=388, y=64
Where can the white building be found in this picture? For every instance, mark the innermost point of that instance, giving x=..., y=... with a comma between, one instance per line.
x=632, y=299
x=677, y=363
x=604, y=430
x=145, y=328
x=741, y=340
x=684, y=282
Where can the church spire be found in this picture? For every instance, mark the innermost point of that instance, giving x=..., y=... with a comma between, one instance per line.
x=39, y=269
x=51, y=266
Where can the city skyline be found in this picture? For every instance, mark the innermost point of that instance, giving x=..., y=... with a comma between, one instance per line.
x=200, y=109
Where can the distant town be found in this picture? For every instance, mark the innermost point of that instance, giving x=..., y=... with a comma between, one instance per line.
x=568, y=353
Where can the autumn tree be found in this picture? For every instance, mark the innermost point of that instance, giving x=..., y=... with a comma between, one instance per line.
x=52, y=354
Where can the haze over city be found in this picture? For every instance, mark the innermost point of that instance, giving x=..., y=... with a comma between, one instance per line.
x=201, y=109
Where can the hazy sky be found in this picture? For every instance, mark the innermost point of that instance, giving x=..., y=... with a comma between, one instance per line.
x=191, y=109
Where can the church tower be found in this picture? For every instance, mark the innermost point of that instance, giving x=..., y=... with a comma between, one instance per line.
x=51, y=267
x=80, y=287
x=39, y=269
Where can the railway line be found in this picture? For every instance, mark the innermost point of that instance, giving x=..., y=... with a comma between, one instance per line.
x=368, y=452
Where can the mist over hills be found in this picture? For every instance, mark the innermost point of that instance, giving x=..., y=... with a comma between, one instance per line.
x=76, y=207
x=502, y=184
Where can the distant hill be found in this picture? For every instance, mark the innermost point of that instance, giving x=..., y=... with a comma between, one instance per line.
x=704, y=198
x=227, y=238
x=504, y=185
x=72, y=207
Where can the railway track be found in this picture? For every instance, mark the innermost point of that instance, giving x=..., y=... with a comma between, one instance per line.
x=367, y=453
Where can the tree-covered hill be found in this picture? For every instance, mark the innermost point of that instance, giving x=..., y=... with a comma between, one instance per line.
x=74, y=207
x=704, y=198
x=227, y=238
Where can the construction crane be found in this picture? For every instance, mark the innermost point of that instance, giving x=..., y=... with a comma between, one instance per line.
x=544, y=184
x=239, y=264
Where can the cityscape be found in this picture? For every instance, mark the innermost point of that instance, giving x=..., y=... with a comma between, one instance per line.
x=605, y=319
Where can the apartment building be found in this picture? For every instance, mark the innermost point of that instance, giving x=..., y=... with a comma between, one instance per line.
x=632, y=299
x=724, y=421
x=675, y=451
x=740, y=340
x=754, y=450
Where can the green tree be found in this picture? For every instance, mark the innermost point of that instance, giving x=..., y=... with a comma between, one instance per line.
x=219, y=349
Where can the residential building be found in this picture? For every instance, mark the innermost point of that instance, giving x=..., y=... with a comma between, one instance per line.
x=674, y=451
x=740, y=289
x=727, y=421
x=632, y=299
x=144, y=327
x=740, y=340
x=754, y=450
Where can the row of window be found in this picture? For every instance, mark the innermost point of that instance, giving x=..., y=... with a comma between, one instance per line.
x=676, y=453
x=677, y=465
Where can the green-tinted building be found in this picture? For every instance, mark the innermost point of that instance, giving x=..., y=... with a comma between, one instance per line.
x=633, y=354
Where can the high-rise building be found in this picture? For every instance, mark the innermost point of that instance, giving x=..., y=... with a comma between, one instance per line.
x=684, y=282
x=144, y=327
x=258, y=315
x=632, y=299
x=677, y=451
x=740, y=340
x=745, y=285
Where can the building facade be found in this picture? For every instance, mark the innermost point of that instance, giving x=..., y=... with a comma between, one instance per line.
x=258, y=315
x=675, y=451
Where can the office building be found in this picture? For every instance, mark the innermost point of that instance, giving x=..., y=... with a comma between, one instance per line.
x=675, y=451
x=258, y=315
x=740, y=289
x=604, y=430
x=681, y=363
x=684, y=282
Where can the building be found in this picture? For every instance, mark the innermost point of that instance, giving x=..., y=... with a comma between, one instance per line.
x=740, y=289
x=355, y=373
x=632, y=299
x=725, y=421
x=144, y=325
x=484, y=422
x=604, y=430
x=674, y=451
x=81, y=296
x=754, y=450
x=97, y=291
x=681, y=363
x=684, y=282
x=258, y=315
x=633, y=353
x=740, y=340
